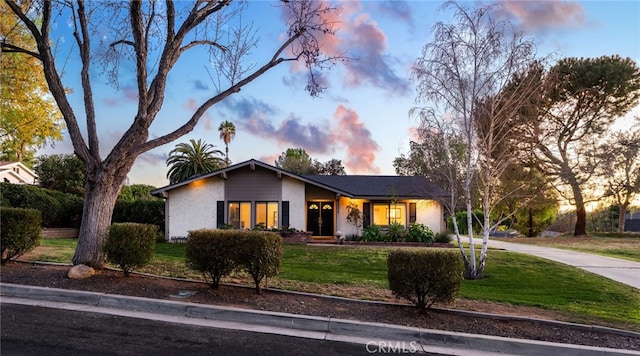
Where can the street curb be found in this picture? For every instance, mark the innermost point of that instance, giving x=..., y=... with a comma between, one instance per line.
x=330, y=326
x=475, y=314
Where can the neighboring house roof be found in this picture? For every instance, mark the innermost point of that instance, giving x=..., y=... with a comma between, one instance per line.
x=350, y=186
x=17, y=173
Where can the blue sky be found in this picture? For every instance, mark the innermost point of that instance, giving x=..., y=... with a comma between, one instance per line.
x=363, y=117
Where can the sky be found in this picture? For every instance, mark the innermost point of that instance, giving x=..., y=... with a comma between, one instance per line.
x=363, y=117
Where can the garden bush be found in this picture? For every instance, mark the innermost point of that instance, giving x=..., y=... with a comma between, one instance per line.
x=424, y=277
x=131, y=245
x=211, y=252
x=142, y=211
x=260, y=255
x=57, y=209
x=461, y=218
x=217, y=253
x=395, y=232
x=443, y=237
x=20, y=231
x=371, y=233
x=419, y=233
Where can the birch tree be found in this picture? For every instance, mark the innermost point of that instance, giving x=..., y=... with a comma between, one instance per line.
x=460, y=78
x=151, y=37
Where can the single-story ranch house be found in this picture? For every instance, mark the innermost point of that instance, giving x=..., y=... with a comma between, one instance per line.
x=253, y=193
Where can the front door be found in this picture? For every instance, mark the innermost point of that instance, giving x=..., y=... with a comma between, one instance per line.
x=320, y=218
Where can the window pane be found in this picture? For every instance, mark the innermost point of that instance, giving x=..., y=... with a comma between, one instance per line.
x=239, y=214
x=380, y=214
x=245, y=215
x=385, y=214
x=397, y=214
x=272, y=215
x=261, y=214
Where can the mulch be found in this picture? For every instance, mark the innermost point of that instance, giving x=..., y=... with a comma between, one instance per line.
x=113, y=282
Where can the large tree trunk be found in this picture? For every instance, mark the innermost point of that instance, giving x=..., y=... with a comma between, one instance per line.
x=101, y=193
x=621, y=218
x=581, y=211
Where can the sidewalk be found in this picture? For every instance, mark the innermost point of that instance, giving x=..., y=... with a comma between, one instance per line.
x=623, y=271
x=410, y=339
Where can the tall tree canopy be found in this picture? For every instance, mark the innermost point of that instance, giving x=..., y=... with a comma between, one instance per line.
x=620, y=168
x=149, y=38
x=580, y=99
x=64, y=173
x=29, y=117
x=332, y=167
x=191, y=159
x=296, y=160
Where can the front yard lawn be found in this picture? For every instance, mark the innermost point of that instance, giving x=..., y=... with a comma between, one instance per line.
x=361, y=272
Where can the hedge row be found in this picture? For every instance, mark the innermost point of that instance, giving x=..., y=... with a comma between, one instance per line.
x=65, y=210
x=20, y=232
x=140, y=211
x=58, y=209
x=425, y=277
x=218, y=252
x=131, y=245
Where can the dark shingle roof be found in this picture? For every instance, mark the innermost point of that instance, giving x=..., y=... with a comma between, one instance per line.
x=383, y=186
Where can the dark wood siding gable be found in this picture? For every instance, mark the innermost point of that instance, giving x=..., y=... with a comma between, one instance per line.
x=260, y=184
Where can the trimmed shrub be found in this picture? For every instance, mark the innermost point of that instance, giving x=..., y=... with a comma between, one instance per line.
x=425, y=277
x=371, y=233
x=142, y=211
x=57, y=209
x=211, y=252
x=260, y=255
x=131, y=245
x=217, y=253
x=443, y=237
x=20, y=231
x=419, y=233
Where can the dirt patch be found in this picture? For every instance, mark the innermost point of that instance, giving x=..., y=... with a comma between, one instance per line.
x=114, y=282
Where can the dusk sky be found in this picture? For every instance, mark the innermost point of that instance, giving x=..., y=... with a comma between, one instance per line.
x=363, y=118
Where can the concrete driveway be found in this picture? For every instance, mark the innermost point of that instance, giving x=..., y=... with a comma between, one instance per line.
x=623, y=271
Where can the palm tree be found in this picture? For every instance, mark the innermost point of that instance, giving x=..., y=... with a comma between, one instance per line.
x=227, y=132
x=187, y=160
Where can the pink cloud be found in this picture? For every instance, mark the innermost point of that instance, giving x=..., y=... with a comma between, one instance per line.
x=361, y=148
x=130, y=94
x=191, y=104
x=365, y=43
x=540, y=16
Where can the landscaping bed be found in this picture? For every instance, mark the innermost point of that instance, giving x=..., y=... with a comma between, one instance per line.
x=113, y=282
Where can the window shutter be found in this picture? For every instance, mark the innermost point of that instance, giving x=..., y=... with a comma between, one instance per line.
x=412, y=212
x=366, y=215
x=220, y=214
x=285, y=214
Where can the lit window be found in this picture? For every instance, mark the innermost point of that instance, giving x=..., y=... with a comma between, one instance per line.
x=267, y=214
x=385, y=214
x=240, y=214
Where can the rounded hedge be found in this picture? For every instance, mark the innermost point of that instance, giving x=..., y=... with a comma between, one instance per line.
x=20, y=231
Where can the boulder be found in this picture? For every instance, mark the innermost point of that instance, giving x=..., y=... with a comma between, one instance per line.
x=81, y=272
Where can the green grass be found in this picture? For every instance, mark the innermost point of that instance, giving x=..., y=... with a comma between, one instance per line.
x=624, y=246
x=509, y=278
x=530, y=281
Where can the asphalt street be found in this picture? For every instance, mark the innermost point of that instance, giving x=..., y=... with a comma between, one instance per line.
x=32, y=330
